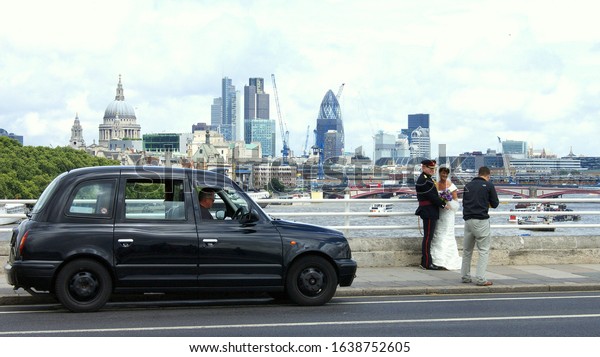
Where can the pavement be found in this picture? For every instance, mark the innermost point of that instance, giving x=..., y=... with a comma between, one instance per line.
x=415, y=281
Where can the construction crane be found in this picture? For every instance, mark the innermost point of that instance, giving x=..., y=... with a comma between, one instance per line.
x=339, y=93
x=285, y=151
x=306, y=141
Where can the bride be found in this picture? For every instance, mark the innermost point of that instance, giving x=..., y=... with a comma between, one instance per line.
x=444, y=250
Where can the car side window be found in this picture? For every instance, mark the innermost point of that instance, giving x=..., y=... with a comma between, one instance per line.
x=93, y=199
x=153, y=199
x=226, y=204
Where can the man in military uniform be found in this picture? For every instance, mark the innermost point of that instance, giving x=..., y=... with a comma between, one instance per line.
x=429, y=206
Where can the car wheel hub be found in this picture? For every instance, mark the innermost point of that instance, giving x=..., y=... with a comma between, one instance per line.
x=83, y=285
x=311, y=281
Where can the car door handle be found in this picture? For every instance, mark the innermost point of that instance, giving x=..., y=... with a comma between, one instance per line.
x=125, y=242
x=210, y=242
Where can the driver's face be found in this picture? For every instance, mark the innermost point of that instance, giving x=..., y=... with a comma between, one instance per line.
x=207, y=202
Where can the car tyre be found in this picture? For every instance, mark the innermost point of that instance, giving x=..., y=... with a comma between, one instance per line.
x=83, y=285
x=311, y=281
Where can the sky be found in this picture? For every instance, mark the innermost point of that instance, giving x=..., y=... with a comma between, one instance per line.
x=482, y=70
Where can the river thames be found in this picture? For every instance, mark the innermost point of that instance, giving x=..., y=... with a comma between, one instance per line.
x=412, y=220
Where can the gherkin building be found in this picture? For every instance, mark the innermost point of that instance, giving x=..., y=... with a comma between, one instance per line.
x=330, y=129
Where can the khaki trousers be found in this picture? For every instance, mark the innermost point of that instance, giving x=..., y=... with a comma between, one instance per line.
x=477, y=232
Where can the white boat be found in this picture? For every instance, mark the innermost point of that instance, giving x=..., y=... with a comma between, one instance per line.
x=381, y=208
x=258, y=195
x=300, y=199
x=13, y=209
x=541, y=223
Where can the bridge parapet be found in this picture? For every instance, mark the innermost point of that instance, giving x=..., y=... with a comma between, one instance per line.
x=404, y=251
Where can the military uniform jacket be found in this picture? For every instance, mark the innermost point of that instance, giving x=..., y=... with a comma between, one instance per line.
x=429, y=198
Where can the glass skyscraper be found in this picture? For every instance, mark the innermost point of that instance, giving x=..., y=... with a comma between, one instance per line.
x=329, y=123
x=415, y=121
x=257, y=123
x=384, y=146
x=229, y=112
x=514, y=148
x=263, y=131
x=420, y=146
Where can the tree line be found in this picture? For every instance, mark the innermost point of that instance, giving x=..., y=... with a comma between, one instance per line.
x=25, y=171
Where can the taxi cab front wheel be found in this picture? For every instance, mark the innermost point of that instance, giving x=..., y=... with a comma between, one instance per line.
x=83, y=285
x=311, y=281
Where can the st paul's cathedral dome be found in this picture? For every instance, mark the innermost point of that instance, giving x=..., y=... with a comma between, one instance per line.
x=119, y=121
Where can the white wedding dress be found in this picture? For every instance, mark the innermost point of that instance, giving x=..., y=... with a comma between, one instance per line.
x=444, y=250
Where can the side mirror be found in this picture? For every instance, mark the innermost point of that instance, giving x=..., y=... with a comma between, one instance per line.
x=220, y=215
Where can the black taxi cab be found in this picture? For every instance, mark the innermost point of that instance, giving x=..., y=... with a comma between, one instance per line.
x=114, y=229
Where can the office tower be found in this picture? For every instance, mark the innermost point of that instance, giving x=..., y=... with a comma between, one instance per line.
x=329, y=123
x=420, y=146
x=402, y=147
x=258, y=127
x=256, y=101
x=384, y=146
x=415, y=121
x=216, y=112
x=229, y=109
x=514, y=148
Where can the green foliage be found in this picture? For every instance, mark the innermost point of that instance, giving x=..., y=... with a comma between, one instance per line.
x=275, y=185
x=25, y=171
x=144, y=190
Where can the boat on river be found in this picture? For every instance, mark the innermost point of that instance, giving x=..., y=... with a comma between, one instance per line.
x=561, y=207
x=258, y=195
x=541, y=223
x=11, y=208
x=545, y=207
x=381, y=208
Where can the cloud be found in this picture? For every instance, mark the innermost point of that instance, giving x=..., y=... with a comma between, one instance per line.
x=480, y=69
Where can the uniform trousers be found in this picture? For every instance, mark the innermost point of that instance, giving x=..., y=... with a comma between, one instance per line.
x=428, y=230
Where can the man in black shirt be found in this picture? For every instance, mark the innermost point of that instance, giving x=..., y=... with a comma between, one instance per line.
x=479, y=195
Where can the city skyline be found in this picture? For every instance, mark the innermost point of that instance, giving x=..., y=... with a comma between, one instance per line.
x=481, y=70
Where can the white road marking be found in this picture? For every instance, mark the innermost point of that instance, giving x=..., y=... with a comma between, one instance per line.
x=330, y=323
x=295, y=324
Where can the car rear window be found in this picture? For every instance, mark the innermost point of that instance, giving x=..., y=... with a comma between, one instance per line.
x=93, y=198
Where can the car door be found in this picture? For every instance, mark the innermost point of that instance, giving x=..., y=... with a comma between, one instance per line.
x=155, y=239
x=235, y=254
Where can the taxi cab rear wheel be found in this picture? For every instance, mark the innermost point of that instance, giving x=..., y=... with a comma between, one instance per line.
x=311, y=281
x=83, y=285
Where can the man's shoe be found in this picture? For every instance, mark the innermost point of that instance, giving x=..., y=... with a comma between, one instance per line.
x=432, y=267
x=484, y=283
